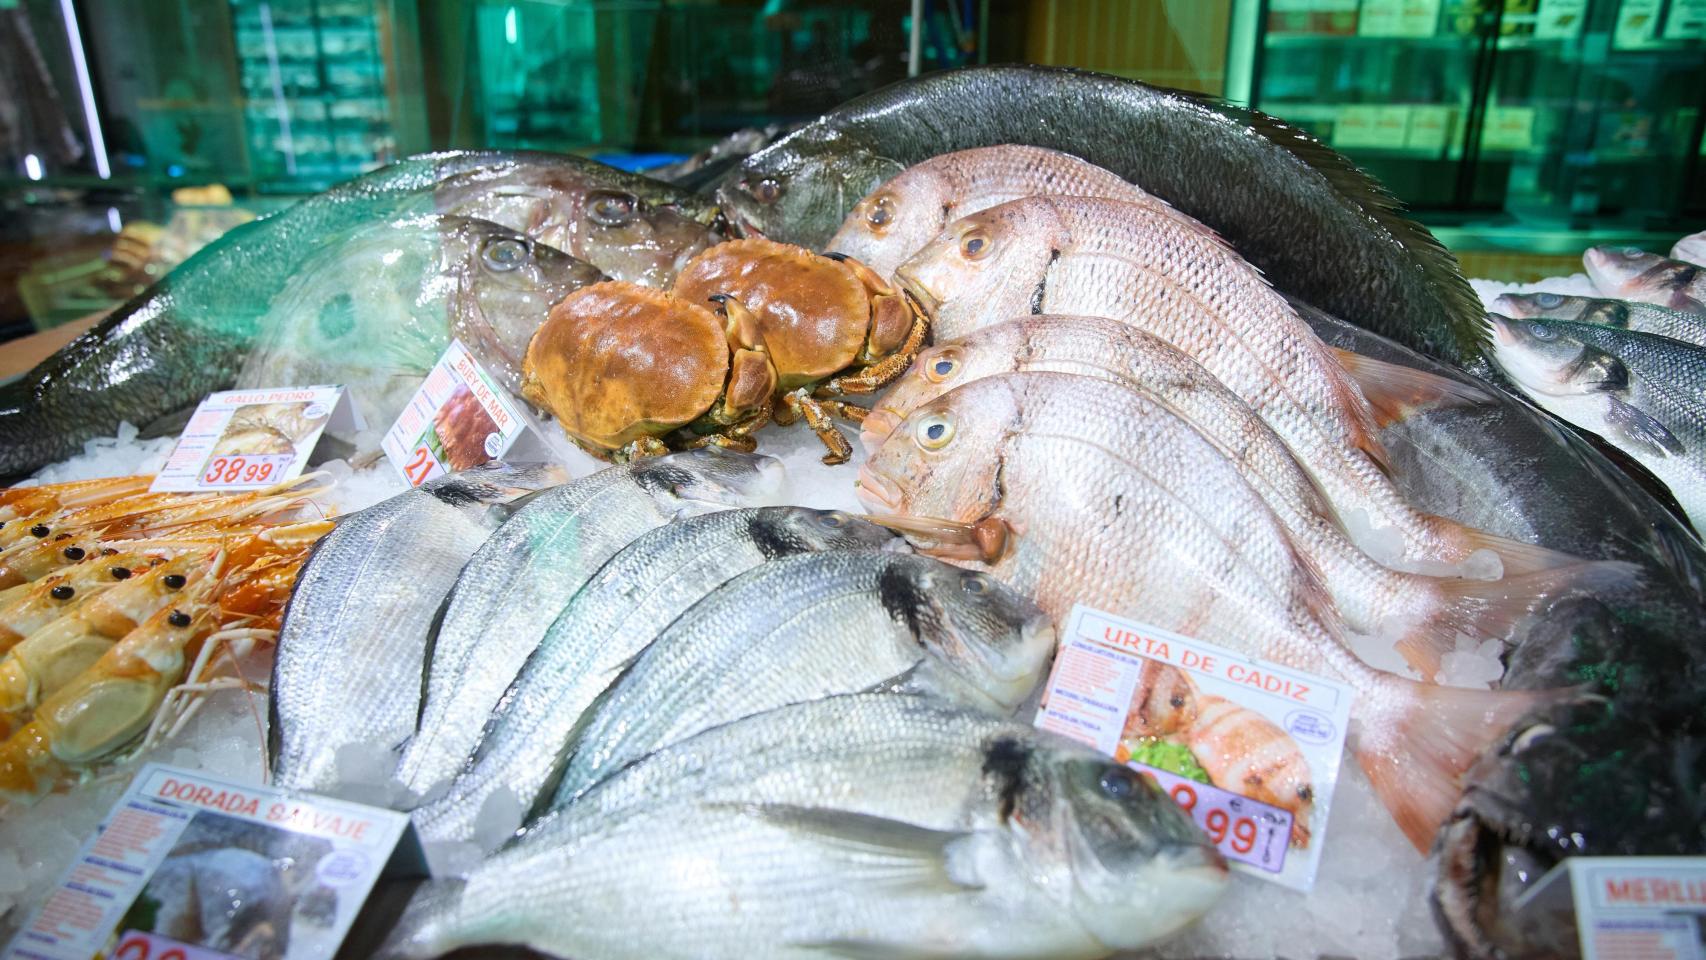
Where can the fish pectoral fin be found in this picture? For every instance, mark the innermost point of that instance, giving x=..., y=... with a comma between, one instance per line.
x=1635, y=428
x=1395, y=391
x=904, y=682
x=879, y=852
x=874, y=950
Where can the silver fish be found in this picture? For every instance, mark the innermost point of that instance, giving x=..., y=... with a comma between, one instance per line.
x=514, y=587
x=609, y=621
x=1623, y=314
x=1630, y=273
x=801, y=628
x=861, y=826
x=353, y=643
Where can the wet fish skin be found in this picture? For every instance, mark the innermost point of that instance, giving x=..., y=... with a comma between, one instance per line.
x=1623, y=314
x=353, y=643
x=514, y=586
x=1061, y=463
x=1643, y=393
x=1255, y=179
x=930, y=829
x=854, y=621
x=1630, y=273
x=186, y=335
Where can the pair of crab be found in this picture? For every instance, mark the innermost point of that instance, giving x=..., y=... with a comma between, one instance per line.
x=751, y=331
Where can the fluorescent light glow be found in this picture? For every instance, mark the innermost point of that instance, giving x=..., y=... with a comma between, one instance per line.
x=278, y=91
x=97, y=143
x=114, y=220
x=32, y=166
x=509, y=25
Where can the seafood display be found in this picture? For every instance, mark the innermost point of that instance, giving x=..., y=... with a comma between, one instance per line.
x=1106, y=346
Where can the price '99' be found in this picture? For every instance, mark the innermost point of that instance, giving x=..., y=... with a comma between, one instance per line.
x=1217, y=822
x=225, y=470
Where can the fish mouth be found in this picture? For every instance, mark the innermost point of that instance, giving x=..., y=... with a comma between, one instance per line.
x=1504, y=333
x=877, y=492
x=876, y=428
x=923, y=299
x=1473, y=895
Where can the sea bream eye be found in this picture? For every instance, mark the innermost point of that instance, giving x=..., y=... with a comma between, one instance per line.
x=504, y=255
x=975, y=244
x=882, y=213
x=940, y=368
x=934, y=432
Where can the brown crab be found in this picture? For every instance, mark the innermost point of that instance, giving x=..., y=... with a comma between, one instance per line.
x=629, y=371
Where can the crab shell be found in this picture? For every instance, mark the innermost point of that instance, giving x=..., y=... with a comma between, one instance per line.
x=615, y=362
x=815, y=313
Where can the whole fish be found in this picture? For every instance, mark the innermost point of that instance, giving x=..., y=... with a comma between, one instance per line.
x=1643, y=393
x=1074, y=501
x=188, y=334
x=862, y=826
x=1168, y=275
x=609, y=621
x=1425, y=614
x=521, y=578
x=1252, y=177
x=350, y=655
x=1623, y=314
x=1691, y=249
x=902, y=216
x=850, y=621
x=423, y=280
x=1630, y=273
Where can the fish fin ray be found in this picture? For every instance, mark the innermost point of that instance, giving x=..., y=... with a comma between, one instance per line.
x=1395, y=391
x=1638, y=430
x=1516, y=557
x=1440, y=734
x=1492, y=609
x=880, y=851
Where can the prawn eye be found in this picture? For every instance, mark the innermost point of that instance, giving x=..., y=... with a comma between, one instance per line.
x=120, y=573
x=73, y=553
x=178, y=618
x=504, y=255
x=39, y=530
x=62, y=592
x=882, y=213
x=613, y=208
x=174, y=581
x=934, y=432
x=767, y=190
x=975, y=244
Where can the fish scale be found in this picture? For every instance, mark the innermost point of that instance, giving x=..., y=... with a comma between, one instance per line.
x=352, y=647
x=848, y=621
x=619, y=610
x=730, y=841
x=513, y=588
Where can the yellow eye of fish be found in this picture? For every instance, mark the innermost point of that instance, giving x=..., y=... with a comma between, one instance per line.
x=941, y=368
x=934, y=432
x=833, y=520
x=882, y=213
x=975, y=244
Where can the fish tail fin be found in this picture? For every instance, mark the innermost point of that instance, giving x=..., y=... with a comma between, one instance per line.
x=1417, y=760
x=1492, y=609
x=1475, y=550
x=427, y=926
x=1395, y=391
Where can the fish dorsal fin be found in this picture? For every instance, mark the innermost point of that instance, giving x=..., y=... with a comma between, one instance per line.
x=879, y=852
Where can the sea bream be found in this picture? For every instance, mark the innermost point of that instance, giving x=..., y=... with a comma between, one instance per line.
x=347, y=672
x=849, y=621
x=1622, y=314
x=1259, y=181
x=1074, y=489
x=1643, y=393
x=1172, y=277
x=608, y=622
x=1630, y=273
x=864, y=826
x=1426, y=615
x=189, y=334
x=521, y=578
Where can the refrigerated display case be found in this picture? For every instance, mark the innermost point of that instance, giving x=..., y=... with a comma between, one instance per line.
x=1540, y=116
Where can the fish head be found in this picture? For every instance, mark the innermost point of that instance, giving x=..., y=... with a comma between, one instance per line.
x=986, y=644
x=1104, y=841
x=494, y=483
x=937, y=370
x=799, y=189
x=1555, y=306
x=629, y=229
x=944, y=460
x=505, y=286
x=991, y=265
x=710, y=478
x=897, y=219
x=1585, y=776
x=1547, y=357
x=1611, y=268
x=786, y=531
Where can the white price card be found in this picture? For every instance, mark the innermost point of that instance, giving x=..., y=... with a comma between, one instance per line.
x=1626, y=908
x=249, y=439
x=1251, y=748
x=192, y=867
x=459, y=418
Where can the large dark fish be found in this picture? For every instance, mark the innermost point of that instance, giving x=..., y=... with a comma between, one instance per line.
x=188, y=334
x=1317, y=226
x=1621, y=770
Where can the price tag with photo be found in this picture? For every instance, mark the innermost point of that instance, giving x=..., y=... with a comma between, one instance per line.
x=249, y=439
x=460, y=418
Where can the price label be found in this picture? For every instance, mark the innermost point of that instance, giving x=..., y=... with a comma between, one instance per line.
x=249, y=439
x=1194, y=717
x=134, y=945
x=459, y=418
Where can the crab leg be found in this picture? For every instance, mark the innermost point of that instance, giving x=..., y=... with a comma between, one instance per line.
x=885, y=371
x=804, y=404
